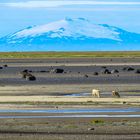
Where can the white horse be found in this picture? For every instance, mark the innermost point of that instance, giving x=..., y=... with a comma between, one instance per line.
x=96, y=92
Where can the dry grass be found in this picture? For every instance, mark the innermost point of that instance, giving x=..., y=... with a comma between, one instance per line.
x=68, y=54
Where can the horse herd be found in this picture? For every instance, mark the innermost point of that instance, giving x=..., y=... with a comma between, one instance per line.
x=96, y=93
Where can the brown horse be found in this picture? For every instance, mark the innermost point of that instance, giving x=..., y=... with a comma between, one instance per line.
x=115, y=94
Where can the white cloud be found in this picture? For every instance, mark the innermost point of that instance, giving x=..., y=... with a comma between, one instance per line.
x=57, y=3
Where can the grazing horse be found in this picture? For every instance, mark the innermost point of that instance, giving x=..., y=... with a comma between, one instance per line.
x=26, y=75
x=96, y=92
x=115, y=94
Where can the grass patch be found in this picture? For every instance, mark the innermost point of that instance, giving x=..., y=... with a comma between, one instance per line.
x=71, y=126
x=38, y=55
x=97, y=122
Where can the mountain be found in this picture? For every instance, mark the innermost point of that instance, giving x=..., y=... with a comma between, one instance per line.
x=71, y=35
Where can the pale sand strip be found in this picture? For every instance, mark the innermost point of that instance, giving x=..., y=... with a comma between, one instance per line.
x=65, y=88
x=131, y=99
x=72, y=64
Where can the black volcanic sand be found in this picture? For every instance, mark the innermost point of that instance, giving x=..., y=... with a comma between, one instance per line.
x=76, y=71
x=78, y=77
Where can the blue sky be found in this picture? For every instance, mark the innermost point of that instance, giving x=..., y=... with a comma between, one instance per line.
x=19, y=14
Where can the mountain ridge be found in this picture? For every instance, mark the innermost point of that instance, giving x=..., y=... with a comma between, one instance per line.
x=67, y=33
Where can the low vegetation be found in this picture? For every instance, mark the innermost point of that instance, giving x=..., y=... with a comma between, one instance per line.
x=97, y=122
x=67, y=54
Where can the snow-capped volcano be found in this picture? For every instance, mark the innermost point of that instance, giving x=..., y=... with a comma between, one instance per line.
x=71, y=35
x=70, y=28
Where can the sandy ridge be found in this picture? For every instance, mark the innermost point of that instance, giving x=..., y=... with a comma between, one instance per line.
x=131, y=99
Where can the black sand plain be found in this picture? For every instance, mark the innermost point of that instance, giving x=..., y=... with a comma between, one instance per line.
x=79, y=76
